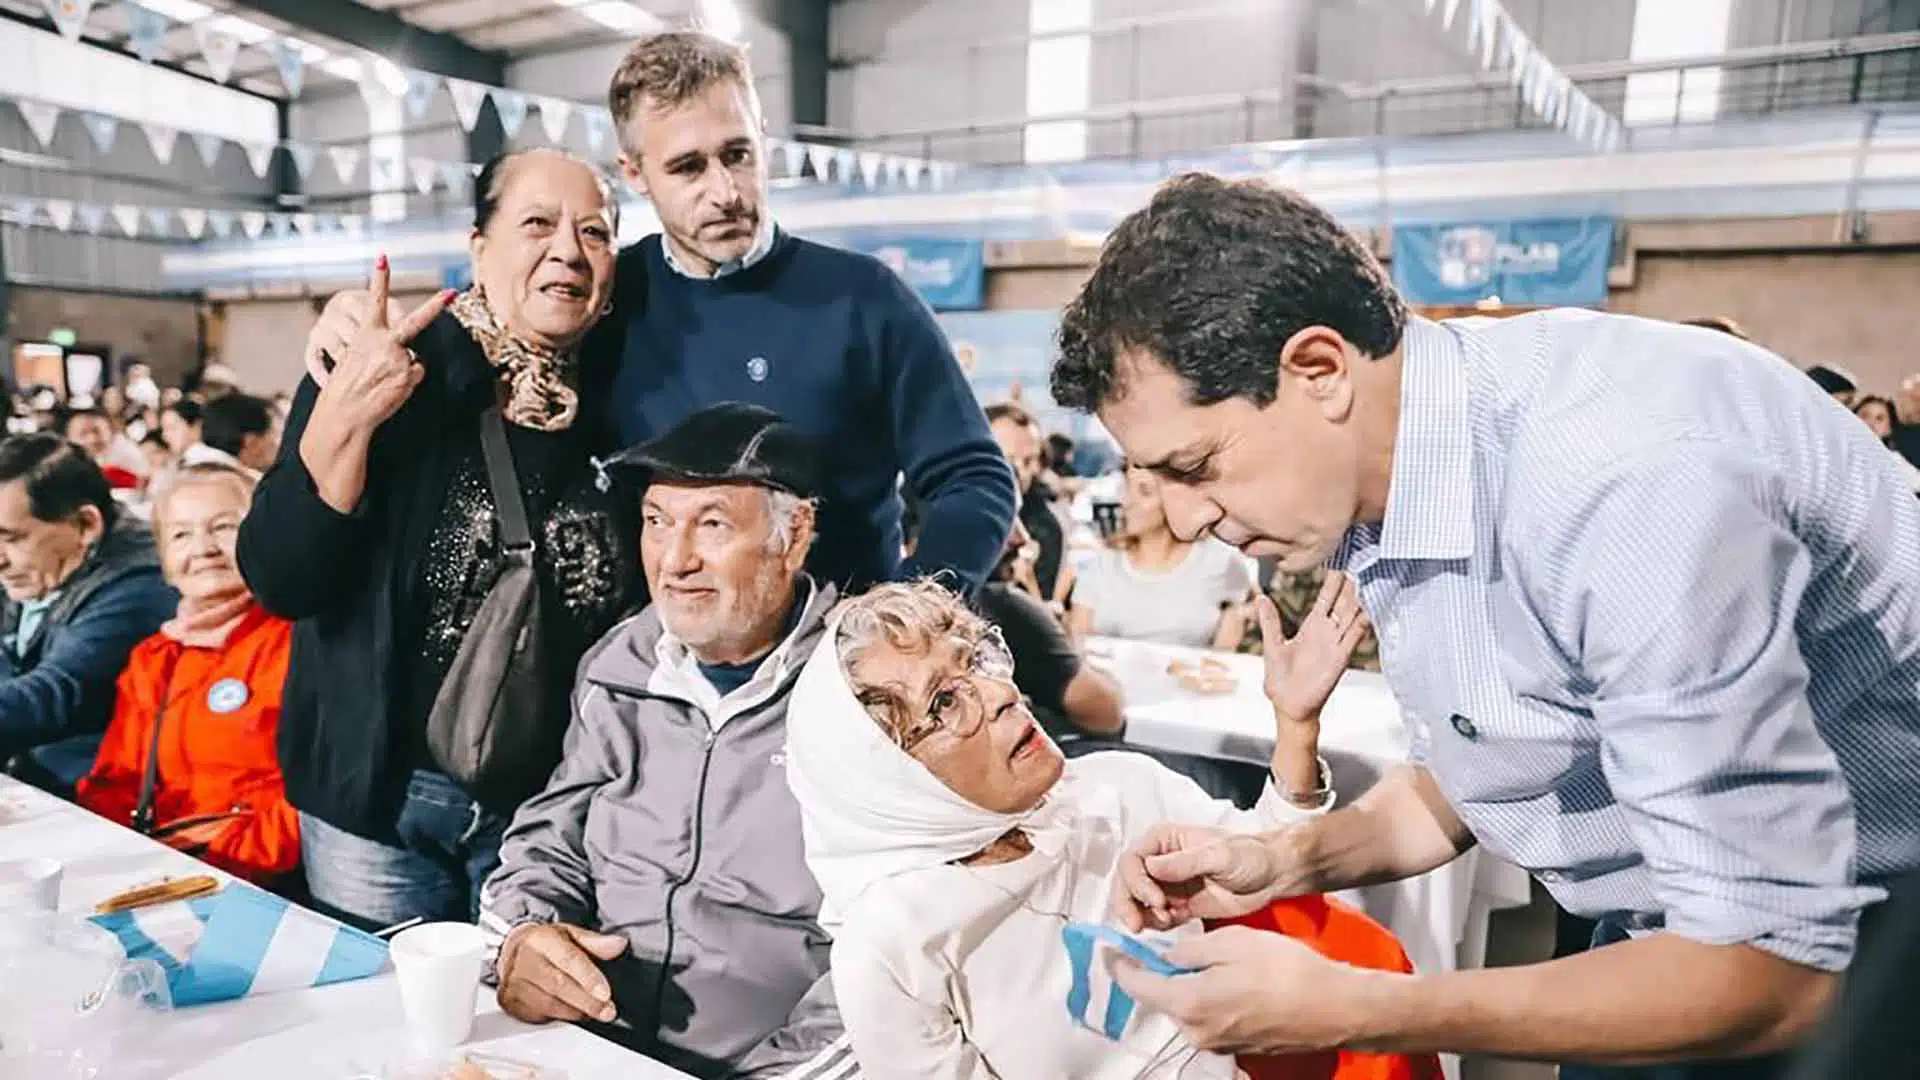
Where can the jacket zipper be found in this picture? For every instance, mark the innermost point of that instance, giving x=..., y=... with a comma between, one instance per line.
x=693, y=867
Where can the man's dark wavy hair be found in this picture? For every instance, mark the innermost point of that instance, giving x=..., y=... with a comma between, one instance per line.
x=1211, y=279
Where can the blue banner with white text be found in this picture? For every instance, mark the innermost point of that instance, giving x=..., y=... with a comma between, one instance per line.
x=949, y=274
x=1526, y=263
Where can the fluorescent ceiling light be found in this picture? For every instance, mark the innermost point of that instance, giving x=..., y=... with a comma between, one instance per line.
x=721, y=18
x=249, y=33
x=615, y=15
x=178, y=10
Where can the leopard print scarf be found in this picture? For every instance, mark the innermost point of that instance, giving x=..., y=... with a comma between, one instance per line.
x=542, y=383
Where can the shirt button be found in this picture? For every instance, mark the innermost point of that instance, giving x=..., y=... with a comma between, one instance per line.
x=1551, y=877
x=1465, y=727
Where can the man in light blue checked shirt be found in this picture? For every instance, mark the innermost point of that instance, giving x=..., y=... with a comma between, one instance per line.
x=1649, y=600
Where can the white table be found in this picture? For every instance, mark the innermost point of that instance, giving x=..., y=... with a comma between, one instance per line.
x=338, y=1032
x=1440, y=917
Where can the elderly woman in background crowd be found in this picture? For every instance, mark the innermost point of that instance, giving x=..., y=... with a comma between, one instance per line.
x=189, y=757
x=379, y=533
x=1153, y=586
x=953, y=843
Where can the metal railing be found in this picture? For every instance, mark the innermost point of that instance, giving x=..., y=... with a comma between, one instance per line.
x=1866, y=70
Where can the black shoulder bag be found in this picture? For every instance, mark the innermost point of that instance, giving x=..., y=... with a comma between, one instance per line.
x=487, y=729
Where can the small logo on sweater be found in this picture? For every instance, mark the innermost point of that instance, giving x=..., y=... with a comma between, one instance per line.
x=227, y=695
x=757, y=369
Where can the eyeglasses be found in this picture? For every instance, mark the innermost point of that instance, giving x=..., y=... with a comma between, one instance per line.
x=956, y=706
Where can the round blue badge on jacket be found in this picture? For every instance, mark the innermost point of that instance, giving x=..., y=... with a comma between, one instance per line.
x=227, y=695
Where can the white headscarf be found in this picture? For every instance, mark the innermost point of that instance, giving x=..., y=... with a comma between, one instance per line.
x=868, y=809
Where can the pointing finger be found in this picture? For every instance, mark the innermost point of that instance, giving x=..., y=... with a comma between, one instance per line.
x=377, y=288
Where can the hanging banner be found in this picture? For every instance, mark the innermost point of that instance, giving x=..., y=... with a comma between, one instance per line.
x=844, y=162
x=424, y=172
x=69, y=16
x=870, y=169
x=303, y=224
x=291, y=63
x=144, y=30
x=821, y=158
x=554, y=115
x=279, y=223
x=512, y=107
x=41, y=119
x=351, y=224
x=102, y=129
x=346, y=161
x=453, y=175
x=950, y=275
x=915, y=169
x=260, y=157
x=467, y=97
x=159, y=221
x=1546, y=262
x=896, y=171
x=90, y=216
x=161, y=138
x=209, y=147
x=304, y=156
x=421, y=86
x=795, y=155
x=60, y=212
x=221, y=222
x=194, y=220
x=218, y=48
x=598, y=124
x=253, y=223
x=384, y=172
x=128, y=218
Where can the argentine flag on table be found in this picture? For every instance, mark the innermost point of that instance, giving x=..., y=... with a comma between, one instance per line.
x=1094, y=1000
x=242, y=941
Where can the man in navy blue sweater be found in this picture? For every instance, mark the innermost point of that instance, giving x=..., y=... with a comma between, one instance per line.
x=722, y=305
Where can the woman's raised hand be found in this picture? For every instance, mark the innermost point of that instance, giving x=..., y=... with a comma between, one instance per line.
x=376, y=372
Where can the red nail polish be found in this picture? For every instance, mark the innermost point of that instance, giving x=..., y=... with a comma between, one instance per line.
x=380, y=263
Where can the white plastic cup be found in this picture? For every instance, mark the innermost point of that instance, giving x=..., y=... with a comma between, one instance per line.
x=30, y=884
x=438, y=965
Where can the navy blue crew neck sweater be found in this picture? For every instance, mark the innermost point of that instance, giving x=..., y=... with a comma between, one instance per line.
x=845, y=351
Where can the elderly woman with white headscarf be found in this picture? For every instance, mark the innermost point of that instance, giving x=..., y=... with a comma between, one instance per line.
x=953, y=842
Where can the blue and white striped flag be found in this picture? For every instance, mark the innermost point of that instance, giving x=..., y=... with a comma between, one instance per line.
x=243, y=941
x=1094, y=1000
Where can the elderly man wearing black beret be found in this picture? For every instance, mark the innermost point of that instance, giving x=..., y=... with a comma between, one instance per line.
x=668, y=833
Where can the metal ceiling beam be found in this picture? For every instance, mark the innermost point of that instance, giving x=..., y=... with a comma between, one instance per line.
x=388, y=35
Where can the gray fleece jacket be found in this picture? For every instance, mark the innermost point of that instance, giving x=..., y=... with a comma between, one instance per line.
x=669, y=821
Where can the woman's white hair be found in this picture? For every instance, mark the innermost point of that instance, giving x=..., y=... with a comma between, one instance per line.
x=908, y=616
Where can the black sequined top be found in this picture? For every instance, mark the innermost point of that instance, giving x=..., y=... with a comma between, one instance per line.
x=584, y=554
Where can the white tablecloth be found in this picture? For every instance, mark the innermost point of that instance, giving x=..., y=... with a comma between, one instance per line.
x=338, y=1032
x=1440, y=917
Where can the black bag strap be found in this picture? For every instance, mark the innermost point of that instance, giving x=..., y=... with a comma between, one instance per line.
x=150, y=775
x=505, y=481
